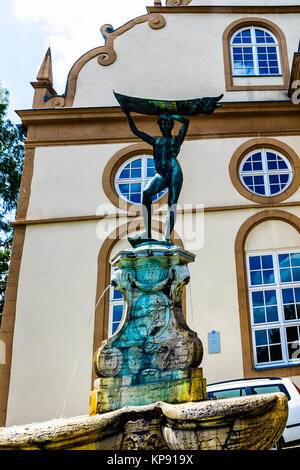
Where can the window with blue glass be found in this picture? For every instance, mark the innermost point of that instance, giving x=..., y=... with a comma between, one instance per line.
x=274, y=298
x=254, y=52
x=115, y=310
x=266, y=172
x=133, y=176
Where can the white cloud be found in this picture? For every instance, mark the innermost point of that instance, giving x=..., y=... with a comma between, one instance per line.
x=72, y=28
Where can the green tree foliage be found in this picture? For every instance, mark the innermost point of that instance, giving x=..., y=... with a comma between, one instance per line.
x=11, y=161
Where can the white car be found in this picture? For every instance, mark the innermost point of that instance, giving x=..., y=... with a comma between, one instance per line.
x=239, y=388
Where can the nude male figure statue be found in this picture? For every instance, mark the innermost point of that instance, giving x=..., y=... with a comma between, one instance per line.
x=168, y=172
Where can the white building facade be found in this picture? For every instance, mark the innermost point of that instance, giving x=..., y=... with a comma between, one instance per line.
x=239, y=209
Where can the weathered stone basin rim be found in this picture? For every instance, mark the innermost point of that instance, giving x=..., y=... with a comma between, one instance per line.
x=254, y=422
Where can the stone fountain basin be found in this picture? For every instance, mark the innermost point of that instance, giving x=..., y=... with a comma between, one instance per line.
x=250, y=423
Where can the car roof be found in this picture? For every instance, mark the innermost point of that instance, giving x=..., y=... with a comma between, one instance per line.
x=251, y=379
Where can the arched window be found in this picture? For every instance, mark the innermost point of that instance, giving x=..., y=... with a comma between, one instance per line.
x=268, y=276
x=266, y=172
x=274, y=298
x=255, y=56
x=254, y=51
x=133, y=176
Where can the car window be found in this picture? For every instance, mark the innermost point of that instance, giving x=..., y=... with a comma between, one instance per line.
x=270, y=389
x=233, y=392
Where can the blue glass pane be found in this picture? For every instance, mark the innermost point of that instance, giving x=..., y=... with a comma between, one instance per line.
x=284, y=178
x=136, y=173
x=117, y=313
x=254, y=262
x=260, y=189
x=282, y=165
x=297, y=294
x=295, y=259
x=135, y=188
x=269, y=39
x=259, y=315
x=136, y=163
x=256, y=278
x=270, y=296
x=259, y=33
x=268, y=277
x=117, y=294
x=257, y=166
x=124, y=188
x=256, y=157
x=150, y=172
x=258, y=179
x=114, y=327
x=248, y=180
x=267, y=261
x=257, y=299
x=287, y=296
x=284, y=260
x=285, y=275
x=247, y=167
x=261, y=337
x=296, y=274
x=274, y=188
x=135, y=198
x=125, y=174
x=272, y=165
x=150, y=163
x=272, y=314
x=274, y=179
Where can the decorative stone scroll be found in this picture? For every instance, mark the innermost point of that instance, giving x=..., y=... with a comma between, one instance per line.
x=108, y=54
x=153, y=355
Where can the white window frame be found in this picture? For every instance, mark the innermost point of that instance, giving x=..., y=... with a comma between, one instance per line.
x=254, y=45
x=143, y=180
x=265, y=172
x=281, y=324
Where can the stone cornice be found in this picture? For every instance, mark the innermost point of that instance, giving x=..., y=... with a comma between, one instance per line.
x=244, y=9
x=86, y=126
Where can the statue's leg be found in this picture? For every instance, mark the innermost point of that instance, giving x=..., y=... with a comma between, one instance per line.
x=174, y=192
x=155, y=186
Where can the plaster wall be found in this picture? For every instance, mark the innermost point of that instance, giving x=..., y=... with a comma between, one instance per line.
x=56, y=299
x=67, y=181
x=180, y=61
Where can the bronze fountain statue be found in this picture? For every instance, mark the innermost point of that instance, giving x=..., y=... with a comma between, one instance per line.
x=165, y=151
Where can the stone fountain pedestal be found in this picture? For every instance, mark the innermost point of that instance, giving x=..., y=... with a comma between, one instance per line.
x=150, y=394
x=153, y=356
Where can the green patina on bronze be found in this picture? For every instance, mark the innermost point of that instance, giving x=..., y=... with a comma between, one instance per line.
x=191, y=107
x=168, y=173
x=153, y=355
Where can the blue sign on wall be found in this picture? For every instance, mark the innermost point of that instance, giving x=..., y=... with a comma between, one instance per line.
x=214, y=342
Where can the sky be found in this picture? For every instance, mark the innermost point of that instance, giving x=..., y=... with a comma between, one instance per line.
x=69, y=27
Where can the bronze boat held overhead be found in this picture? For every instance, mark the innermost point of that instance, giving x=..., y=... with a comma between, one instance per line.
x=191, y=107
